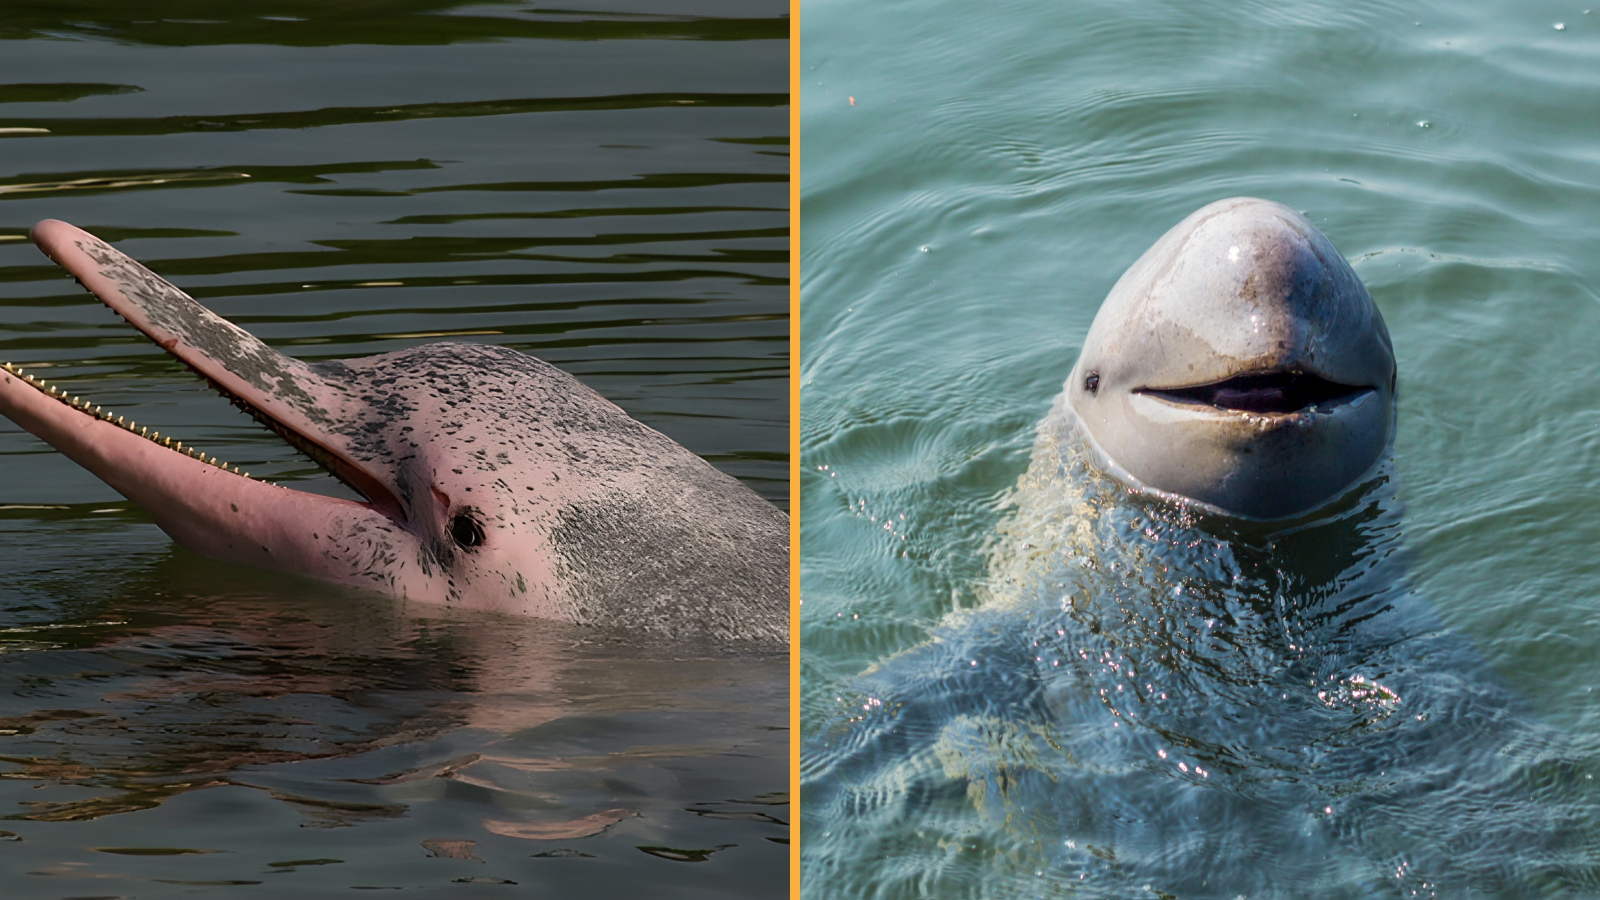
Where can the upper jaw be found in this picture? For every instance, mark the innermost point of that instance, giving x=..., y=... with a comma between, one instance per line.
x=1276, y=393
x=286, y=395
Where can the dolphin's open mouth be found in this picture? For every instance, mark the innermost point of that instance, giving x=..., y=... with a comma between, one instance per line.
x=1264, y=393
x=289, y=397
x=205, y=504
x=89, y=409
x=353, y=477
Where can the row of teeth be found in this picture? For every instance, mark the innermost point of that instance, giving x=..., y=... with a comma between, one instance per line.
x=85, y=407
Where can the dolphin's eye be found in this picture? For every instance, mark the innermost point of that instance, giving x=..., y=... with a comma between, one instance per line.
x=1092, y=383
x=466, y=531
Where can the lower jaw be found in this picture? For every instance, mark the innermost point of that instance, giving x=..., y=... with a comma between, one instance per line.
x=1257, y=467
x=87, y=408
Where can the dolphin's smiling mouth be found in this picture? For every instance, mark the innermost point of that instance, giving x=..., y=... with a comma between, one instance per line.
x=1264, y=393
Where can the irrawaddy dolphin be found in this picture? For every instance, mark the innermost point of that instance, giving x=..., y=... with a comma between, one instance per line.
x=1197, y=669
x=1239, y=363
x=492, y=480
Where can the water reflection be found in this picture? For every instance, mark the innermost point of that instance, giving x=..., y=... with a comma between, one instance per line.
x=1151, y=701
x=348, y=710
x=307, y=23
x=318, y=118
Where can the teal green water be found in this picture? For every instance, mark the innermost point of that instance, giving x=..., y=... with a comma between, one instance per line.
x=601, y=186
x=974, y=179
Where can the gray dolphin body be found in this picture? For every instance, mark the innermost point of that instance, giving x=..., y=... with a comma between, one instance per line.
x=1239, y=363
x=492, y=480
x=1188, y=695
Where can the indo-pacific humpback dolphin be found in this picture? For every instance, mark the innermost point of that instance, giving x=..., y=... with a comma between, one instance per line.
x=492, y=480
x=1198, y=668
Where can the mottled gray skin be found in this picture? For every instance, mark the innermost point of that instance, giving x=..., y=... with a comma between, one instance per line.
x=638, y=529
x=1240, y=287
x=494, y=480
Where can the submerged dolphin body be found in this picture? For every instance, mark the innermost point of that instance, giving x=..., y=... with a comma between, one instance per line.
x=1172, y=689
x=493, y=480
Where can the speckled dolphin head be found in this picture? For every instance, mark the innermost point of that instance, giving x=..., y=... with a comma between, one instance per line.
x=1239, y=363
x=493, y=480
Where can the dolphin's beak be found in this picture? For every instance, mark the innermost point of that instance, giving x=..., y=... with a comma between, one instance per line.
x=284, y=394
x=212, y=509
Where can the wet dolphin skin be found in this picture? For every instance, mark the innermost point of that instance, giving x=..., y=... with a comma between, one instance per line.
x=1197, y=666
x=492, y=480
x=1240, y=363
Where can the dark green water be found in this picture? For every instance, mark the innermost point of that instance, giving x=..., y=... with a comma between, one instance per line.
x=974, y=179
x=602, y=187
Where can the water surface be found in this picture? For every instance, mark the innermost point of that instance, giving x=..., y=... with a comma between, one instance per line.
x=601, y=186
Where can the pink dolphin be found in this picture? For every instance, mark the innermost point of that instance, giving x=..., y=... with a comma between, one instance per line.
x=493, y=480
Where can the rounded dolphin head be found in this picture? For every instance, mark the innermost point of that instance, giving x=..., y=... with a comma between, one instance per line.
x=1239, y=363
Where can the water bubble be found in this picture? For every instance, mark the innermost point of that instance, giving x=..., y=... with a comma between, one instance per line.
x=1561, y=26
x=923, y=249
x=1424, y=124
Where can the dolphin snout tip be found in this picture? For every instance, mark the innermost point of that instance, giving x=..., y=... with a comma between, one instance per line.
x=49, y=234
x=44, y=228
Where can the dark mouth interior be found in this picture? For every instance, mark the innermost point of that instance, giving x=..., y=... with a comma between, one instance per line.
x=1271, y=392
